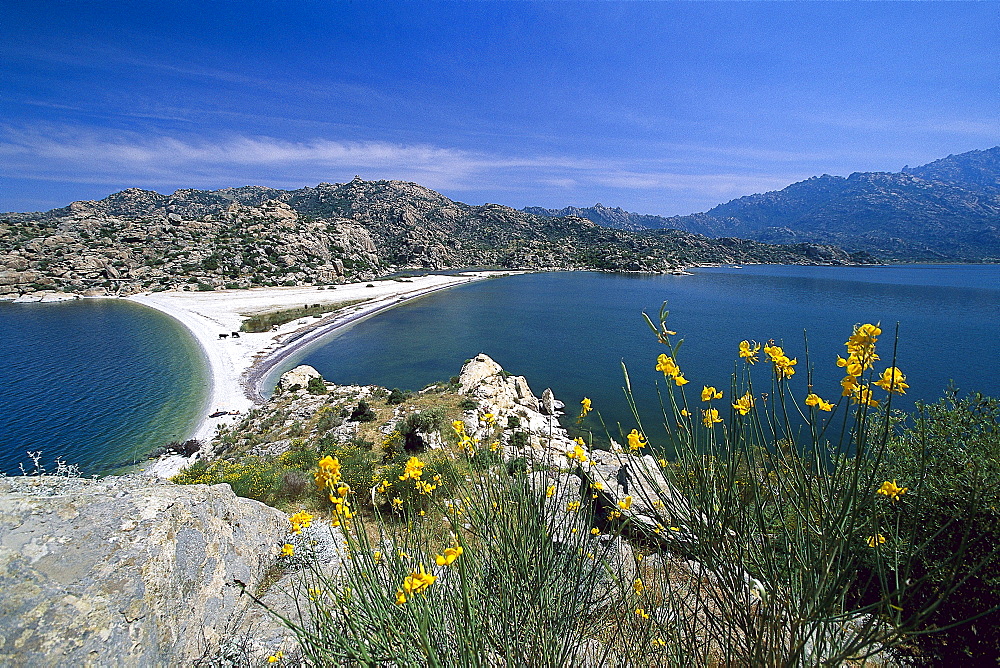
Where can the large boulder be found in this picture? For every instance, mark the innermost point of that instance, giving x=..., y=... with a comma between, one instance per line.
x=300, y=375
x=126, y=570
x=655, y=504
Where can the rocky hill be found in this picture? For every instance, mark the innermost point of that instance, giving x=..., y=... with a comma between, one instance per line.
x=948, y=209
x=138, y=240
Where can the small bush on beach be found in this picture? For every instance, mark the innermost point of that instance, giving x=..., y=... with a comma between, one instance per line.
x=263, y=322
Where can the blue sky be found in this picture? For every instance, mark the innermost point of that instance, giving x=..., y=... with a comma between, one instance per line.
x=665, y=108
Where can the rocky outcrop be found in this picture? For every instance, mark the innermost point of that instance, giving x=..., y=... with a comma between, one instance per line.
x=126, y=571
x=653, y=505
x=297, y=378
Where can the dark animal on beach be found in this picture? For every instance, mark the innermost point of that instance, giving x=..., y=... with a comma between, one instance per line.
x=236, y=335
x=223, y=336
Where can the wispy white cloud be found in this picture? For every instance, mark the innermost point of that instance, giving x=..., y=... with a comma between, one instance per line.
x=103, y=157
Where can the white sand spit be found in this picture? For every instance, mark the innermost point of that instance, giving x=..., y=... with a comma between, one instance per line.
x=238, y=365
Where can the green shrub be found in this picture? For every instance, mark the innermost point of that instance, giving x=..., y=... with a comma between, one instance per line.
x=362, y=412
x=519, y=439
x=950, y=458
x=316, y=386
x=426, y=421
x=396, y=396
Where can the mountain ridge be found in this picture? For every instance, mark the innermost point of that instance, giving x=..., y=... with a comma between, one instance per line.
x=137, y=240
x=948, y=209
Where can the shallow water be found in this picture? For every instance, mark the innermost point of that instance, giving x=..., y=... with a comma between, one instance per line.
x=97, y=382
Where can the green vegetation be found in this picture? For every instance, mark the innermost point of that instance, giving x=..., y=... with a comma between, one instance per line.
x=787, y=529
x=263, y=322
x=316, y=386
x=952, y=453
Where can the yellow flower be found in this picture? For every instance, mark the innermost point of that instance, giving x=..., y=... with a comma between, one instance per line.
x=685, y=412
x=850, y=384
x=400, y=597
x=276, y=657
x=625, y=503
x=449, y=556
x=681, y=380
x=595, y=531
x=417, y=582
x=658, y=642
x=815, y=400
x=397, y=503
x=710, y=417
x=635, y=440
x=572, y=506
x=383, y=487
x=328, y=473
x=893, y=380
x=891, y=491
x=641, y=612
x=782, y=364
x=708, y=393
x=414, y=469
x=577, y=453
x=638, y=587
x=424, y=487
x=860, y=350
x=666, y=365
x=550, y=490
x=585, y=407
x=377, y=556
x=748, y=351
x=288, y=550
x=863, y=395
x=744, y=403
x=459, y=427
x=300, y=520
x=877, y=539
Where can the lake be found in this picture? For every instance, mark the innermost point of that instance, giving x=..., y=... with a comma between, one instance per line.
x=571, y=331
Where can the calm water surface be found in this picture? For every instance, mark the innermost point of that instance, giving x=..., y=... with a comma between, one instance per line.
x=98, y=382
x=572, y=330
x=102, y=382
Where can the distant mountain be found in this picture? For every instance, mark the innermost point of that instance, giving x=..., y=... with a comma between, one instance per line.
x=948, y=209
x=139, y=240
x=617, y=218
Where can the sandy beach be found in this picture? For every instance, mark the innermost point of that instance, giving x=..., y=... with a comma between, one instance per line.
x=239, y=365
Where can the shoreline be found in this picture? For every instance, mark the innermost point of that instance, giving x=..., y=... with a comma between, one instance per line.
x=238, y=366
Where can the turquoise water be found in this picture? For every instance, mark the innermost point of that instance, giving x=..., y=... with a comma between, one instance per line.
x=99, y=383
x=572, y=330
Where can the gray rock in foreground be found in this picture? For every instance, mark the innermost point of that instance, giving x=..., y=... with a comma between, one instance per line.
x=125, y=571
